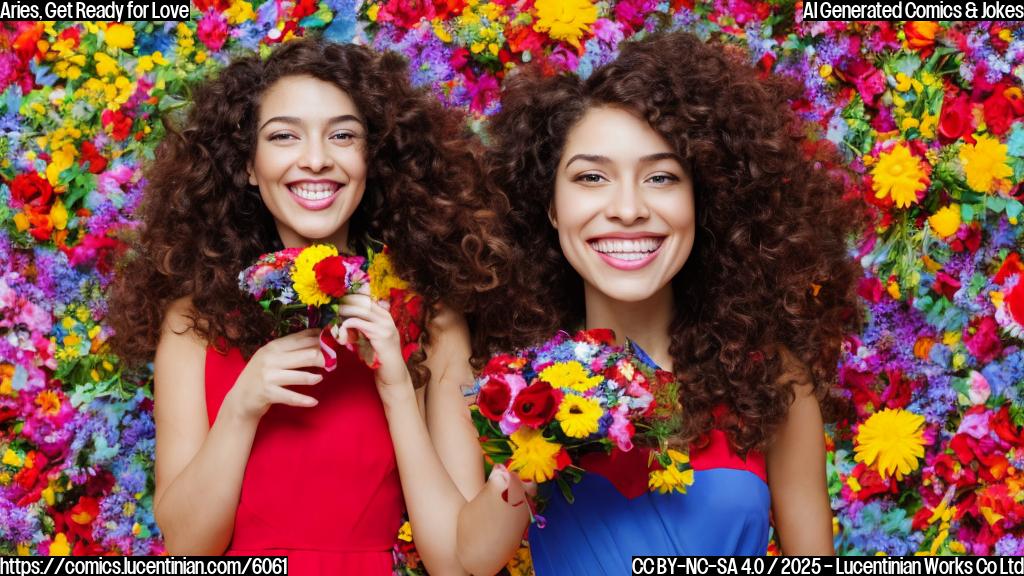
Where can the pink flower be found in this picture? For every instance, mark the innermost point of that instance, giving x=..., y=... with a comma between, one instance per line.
x=621, y=429
x=974, y=425
x=982, y=339
x=979, y=390
x=213, y=30
x=510, y=422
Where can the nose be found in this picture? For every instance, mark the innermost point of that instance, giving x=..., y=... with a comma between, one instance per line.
x=627, y=204
x=314, y=157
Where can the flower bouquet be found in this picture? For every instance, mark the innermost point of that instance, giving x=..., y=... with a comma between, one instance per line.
x=302, y=288
x=539, y=410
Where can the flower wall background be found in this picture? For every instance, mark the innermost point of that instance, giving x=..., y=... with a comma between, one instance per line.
x=929, y=118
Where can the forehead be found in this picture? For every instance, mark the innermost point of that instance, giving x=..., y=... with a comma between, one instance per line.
x=614, y=132
x=305, y=97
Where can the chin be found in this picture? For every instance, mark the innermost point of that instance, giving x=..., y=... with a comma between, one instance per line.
x=628, y=293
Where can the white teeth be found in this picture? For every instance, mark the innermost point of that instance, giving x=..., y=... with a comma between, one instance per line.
x=313, y=191
x=623, y=249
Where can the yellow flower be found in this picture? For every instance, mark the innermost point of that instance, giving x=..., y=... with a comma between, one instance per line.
x=62, y=160
x=105, y=65
x=578, y=415
x=405, y=532
x=522, y=563
x=11, y=458
x=59, y=215
x=892, y=441
x=239, y=12
x=569, y=374
x=674, y=478
x=304, y=278
x=565, y=20
x=984, y=163
x=899, y=175
x=120, y=36
x=946, y=221
x=59, y=546
x=533, y=457
x=383, y=278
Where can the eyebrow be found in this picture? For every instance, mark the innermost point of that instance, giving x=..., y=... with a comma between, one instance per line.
x=297, y=121
x=598, y=159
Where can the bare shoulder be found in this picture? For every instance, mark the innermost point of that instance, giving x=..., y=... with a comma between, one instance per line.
x=449, y=340
x=795, y=373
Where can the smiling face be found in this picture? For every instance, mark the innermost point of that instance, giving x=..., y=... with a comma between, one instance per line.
x=310, y=160
x=623, y=206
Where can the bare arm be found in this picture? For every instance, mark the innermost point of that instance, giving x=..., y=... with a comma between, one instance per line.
x=199, y=468
x=796, y=474
x=489, y=530
x=431, y=496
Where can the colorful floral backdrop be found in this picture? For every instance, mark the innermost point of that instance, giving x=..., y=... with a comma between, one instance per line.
x=929, y=118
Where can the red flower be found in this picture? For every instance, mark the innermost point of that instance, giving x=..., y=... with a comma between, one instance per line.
x=946, y=285
x=955, y=119
x=218, y=5
x=1012, y=265
x=870, y=289
x=116, y=124
x=1015, y=301
x=32, y=189
x=494, y=398
x=97, y=163
x=536, y=404
x=406, y=13
x=600, y=336
x=330, y=275
x=1002, y=108
x=981, y=337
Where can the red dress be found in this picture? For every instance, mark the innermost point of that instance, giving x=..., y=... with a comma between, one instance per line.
x=321, y=485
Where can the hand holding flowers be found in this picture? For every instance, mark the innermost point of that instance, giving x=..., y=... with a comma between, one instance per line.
x=310, y=287
x=539, y=410
x=280, y=363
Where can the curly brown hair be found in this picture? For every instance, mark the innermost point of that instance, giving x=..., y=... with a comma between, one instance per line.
x=769, y=274
x=202, y=222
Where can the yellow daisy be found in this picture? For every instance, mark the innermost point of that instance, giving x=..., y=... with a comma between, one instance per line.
x=985, y=163
x=674, y=478
x=899, y=175
x=579, y=416
x=304, y=278
x=892, y=441
x=571, y=375
x=533, y=457
x=566, y=20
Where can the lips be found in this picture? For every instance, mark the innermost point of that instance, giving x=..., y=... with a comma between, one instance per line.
x=627, y=253
x=314, y=194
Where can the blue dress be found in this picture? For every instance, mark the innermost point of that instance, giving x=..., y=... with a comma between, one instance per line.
x=614, y=517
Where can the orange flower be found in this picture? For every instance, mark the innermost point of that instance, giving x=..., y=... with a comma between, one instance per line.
x=920, y=35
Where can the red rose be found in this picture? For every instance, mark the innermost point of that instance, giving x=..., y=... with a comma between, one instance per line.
x=981, y=337
x=955, y=119
x=536, y=404
x=330, y=275
x=32, y=189
x=494, y=398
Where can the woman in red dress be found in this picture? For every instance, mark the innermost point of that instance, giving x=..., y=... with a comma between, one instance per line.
x=259, y=450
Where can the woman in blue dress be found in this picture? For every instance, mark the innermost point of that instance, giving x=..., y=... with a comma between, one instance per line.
x=671, y=197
